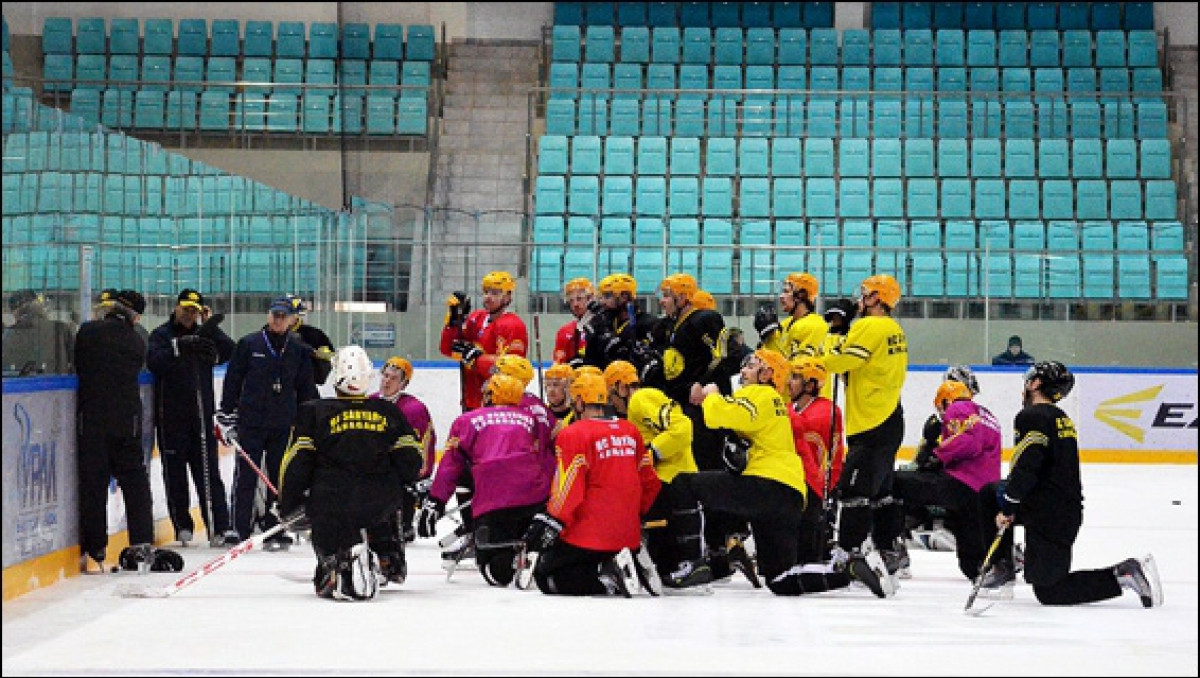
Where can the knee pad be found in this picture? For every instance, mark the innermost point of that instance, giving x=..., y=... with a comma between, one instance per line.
x=357, y=574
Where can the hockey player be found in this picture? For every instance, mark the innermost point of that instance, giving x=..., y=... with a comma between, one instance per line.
x=571, y=339
x=619, y=330
x=509, y=451
x=874, y=357
x=316, y=339
x=603, y=485
x=838, y=317
x=521, y=369
x=817, y=428
x=393, y=379
x=1044, y=494
x=347, y=462
x=802, y=332
x=968, y=458
x=556, y=382
x=667, y=433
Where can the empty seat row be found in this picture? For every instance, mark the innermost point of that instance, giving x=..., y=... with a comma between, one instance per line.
x=746, y=14
x=1147, y=82
x=881, y=157
x=64, y=73
x=1014, y=15
x=290, y=39
x=853, y=116
x=890, y=198
x=856, y=47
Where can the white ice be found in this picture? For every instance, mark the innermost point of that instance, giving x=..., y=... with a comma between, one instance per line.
x=258, y=616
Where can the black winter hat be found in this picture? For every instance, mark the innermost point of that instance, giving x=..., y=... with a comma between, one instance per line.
x=133, y=300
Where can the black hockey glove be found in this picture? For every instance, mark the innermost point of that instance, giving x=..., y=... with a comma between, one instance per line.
x=226, y=427
x=458, y=306
x=766, y=322
x=432, y=511
x=1006, y=507
x=735, y=453
x=166, y=560
x=203, y=349
x=468, y=351
x=543, y=531
x=839, y=314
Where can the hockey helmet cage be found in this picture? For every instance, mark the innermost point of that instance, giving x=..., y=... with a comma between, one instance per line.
x=809, y=368
x=578, y=285
x=803, y=282
x=515, y=366
x=703, y=301
x=560, y=371
x=504, y=389
x=401, y=364
x=885, y=286
x=1056, y=380
x=591, y=388
x=781, y=370
x=949, y=392
x=501, y=280
x=963, y=373
x=352, y=370
x=620, y=372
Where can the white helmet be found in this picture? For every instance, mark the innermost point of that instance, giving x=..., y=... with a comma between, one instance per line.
x=352, y=370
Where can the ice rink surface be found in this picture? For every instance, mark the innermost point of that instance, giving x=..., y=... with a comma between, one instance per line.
x=258, y=616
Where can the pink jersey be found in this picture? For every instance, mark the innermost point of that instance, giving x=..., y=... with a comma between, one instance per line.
x=418, y=417
x=970, y=448
x=509, y=453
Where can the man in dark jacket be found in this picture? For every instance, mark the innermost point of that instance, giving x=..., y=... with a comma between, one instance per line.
x=182, y=353
x=268, y=377
x=35, y=343
x=109, y=354
x=316, y=339
x=1014, y=355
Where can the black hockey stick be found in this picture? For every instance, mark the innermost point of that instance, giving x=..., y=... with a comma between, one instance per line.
x=208, y=510
x=983, y=570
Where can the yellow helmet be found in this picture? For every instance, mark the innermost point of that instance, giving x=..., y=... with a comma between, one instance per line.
x=885, y=286
x=505, y=390
x=587, y=369
x=515, y=366
x=499, y=280
x=620, y=372
x=560, y=371
x=781, y=371
x=617, y=283
x=578, y=285
x=803, y=282
x=591, y=388
x=703, y=301
x=810, y=367
x=950, y=391
x=401, y=364
x=680, y=284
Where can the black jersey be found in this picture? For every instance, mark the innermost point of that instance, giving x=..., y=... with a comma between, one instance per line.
x=1043, y=480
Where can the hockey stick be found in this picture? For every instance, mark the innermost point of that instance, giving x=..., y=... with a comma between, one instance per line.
x=524, y=562
x=208, y=515
x=983, y=569
x=834, y=438
x=256, y=541
x=537, y=349
x=246, y=456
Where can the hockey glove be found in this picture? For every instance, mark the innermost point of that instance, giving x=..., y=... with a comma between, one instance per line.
x=1002, y=501
x=166, y=560
x=735, y=453
x=467, y=351
x=203, y=349
x=543, y=531
x=432, y=510
x=458, y=306
x=323, y=353
x=226, y=427
x=766, y=322
x=839, y=314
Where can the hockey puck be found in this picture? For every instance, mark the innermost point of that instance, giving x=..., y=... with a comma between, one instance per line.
x=115, y=569
x=1176, y=502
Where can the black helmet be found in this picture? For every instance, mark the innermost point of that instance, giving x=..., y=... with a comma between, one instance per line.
x=963, y=375
x=1056, y=380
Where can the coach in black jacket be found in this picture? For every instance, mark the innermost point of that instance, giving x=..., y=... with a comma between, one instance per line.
x=182, y=353
x=268, y=377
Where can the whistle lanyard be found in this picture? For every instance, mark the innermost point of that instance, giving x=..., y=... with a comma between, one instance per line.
x=277, y=385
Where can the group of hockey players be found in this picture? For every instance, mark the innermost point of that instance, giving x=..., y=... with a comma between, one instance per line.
x=642, y=466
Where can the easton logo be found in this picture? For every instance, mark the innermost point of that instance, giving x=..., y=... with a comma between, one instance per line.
x=1123, y=412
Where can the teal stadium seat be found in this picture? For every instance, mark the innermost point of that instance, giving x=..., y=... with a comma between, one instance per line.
x=259, y=39
x=388, y=42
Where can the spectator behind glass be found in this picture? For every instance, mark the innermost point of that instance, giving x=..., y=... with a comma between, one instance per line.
x=1014, y=354
x=36, y=344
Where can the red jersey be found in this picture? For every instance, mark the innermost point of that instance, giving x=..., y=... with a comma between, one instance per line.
x=568, y=342
x=811, y=430
x=604, y=484
x=505, y=334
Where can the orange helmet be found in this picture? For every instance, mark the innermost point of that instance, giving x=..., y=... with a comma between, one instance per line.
x=803, y=282
x=950, y=391
x=401, y=364
x=505, y=390
x=680, y=284
x=499, y=280
x=810, y=367
x=617, y=283
x=885, y=286
x=588, y=369
x=703, y=301
x=578, y=285
x=560, y=371
x=781, y=371
x=515, y=366
x=620, y=372
x=591, y=388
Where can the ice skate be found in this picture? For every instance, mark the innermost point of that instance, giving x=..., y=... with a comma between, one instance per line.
x=1141, y=577
x=693, y=576
x=647, y=572
x=740, y=561
x=871, y=571
x=613, y=576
